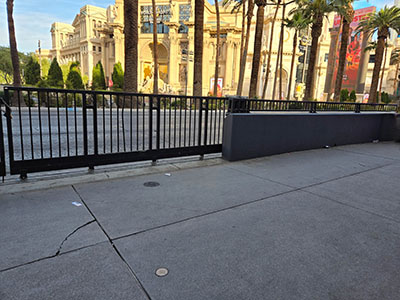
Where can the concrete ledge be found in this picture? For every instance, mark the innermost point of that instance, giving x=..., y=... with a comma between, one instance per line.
x=255, y=135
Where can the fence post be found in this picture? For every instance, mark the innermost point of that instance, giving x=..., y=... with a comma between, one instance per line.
x=313, y=107
x=200, y=118
x=9, y=129
x=206, y=123
x=358, y=108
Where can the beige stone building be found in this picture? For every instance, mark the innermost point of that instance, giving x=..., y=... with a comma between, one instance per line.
x=96, y=34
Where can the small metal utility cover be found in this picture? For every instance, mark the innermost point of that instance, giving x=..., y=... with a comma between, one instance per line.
x=161, y=272
x=151, y=184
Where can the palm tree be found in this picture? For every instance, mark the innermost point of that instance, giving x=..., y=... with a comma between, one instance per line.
x=215, y=92
x=131, y=42
x=298, y=22
x=316, y=10
x=257, y=47
x=13, y=47
x=155, y=51
x=347, y=13
x=381, y=22
x=246, y=47
x=271, y=40
x=198, y=47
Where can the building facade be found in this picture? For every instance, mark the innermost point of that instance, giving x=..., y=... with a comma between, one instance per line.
x=96, y=34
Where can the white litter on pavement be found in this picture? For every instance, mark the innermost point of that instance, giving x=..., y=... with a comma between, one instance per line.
x=168, y=174
x=76, y=203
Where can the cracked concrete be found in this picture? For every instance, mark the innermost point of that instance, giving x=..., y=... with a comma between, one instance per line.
x=318, y=224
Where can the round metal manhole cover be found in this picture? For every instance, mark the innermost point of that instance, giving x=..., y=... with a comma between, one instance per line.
x=161, y=272
x=151, y=184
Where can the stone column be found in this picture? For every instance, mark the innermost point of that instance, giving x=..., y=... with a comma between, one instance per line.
x=190, y=62
x=229, y=65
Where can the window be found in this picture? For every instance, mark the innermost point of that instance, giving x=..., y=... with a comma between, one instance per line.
x=99, y=49
x=326, y=57
x=146, y=17
x=184, y=15
x=94, y=48
x=372, y=59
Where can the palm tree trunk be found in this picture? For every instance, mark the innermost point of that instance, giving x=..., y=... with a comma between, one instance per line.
x=131, y=42
x=257, y=49
x=383, y=74
x=342, y=59
x=242, y=68
x=242, y=34
x=292, y=65
x=396, y=80
x=279, y=59
x=315, y=33
x=198, y=47
x=281, y=53
x=379, y=52
x=215, y=93
x=14, y=50
x=271, y=40
x=331, y=70
x=155, y=51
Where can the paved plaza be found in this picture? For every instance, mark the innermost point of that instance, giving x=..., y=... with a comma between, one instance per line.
x=319, y=224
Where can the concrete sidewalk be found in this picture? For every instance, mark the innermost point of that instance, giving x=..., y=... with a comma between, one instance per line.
x=320, y=224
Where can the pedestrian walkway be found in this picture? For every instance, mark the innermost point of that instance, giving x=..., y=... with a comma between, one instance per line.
x=319, y=224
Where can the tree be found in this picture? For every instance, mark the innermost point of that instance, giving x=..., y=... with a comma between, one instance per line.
x=315, y=10
x=257, y=47
x=198, y=47
x=243, y=60
x=13, y=44
x=6, y=68
x=279, y=60
x=381, y=22
x=74, y=80
x=99, y=80
x=271, y=40
x=118, y=77
x=131, y=45
x=55, y=76
x=383, y=71
x=347, y=13
x=32, y=72
x=215, y=92
x=298, y=22
x=155, y=50
x=344, y=95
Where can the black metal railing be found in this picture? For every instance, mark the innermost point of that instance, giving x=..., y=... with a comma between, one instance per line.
x=241, y=105
x=51, y=129
x=55, y=128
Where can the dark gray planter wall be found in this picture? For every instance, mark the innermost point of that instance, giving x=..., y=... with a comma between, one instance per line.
x=256, y=135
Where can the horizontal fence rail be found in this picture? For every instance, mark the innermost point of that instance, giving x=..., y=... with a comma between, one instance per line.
x=53, y=129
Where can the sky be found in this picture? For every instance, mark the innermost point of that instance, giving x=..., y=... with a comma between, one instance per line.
x=33, y=18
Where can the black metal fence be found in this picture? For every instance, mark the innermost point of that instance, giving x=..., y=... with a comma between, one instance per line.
x=52, y=129
x=246, y=105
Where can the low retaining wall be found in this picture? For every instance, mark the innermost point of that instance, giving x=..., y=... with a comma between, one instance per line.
x=255, y=135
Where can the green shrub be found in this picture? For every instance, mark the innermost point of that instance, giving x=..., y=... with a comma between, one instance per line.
x=385, y=98
x=55, y=76
x=99, y=80
x=32, y=71
x=344, y=95
x=118, y=77
x=74, y=80
x=353, y=96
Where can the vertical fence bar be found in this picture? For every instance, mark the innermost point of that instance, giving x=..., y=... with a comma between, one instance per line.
x=158, y=122
x=206, y=123
x=200, y=119
x=84, y=122
x=30, y=124
x=150, y=123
